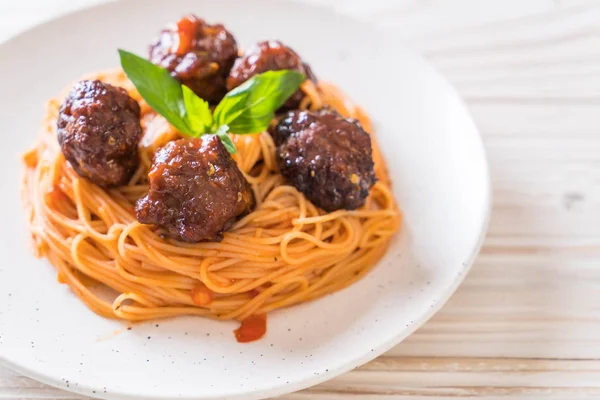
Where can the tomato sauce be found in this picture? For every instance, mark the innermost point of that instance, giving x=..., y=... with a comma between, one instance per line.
x=55, y=196
x=252, y=328
x=186, y=29
x=201, y=295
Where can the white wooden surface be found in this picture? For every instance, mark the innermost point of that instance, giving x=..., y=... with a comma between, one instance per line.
x=526, y=322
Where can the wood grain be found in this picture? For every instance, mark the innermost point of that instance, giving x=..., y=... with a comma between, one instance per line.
x=526, y=322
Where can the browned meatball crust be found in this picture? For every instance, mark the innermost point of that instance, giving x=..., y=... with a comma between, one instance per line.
x=197, y=54
x=326, y=157
x=269, y=56
x=196, y=190
x=98, y=132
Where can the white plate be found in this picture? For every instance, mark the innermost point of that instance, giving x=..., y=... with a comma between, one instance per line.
x=440, y=179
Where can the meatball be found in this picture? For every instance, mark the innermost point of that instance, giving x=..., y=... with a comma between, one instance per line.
x=269, y=56
x=197, y=54
x=196, y=190
x=326, y=157
x=98, y=132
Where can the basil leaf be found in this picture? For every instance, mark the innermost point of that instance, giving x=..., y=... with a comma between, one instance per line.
x=160, y=90
x=198, y=114
x=226, y=140
x=250, y=107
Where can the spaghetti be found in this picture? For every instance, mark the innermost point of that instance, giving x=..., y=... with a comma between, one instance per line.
x=283, y=253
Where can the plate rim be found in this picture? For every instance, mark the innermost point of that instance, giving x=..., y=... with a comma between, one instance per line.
x=284, y=388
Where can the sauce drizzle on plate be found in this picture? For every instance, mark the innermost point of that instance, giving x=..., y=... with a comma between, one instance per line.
x=252, y=328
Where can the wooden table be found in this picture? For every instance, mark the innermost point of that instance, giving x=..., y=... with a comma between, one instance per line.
x=526, y=322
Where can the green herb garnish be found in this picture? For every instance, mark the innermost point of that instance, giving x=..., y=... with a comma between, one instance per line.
x=248, y=108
